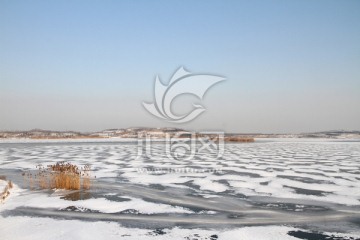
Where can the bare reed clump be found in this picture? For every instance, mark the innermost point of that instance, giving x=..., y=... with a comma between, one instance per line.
x=62, y=175
x=239, y=139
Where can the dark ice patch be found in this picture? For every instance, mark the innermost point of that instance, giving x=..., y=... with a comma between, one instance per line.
x=304, y=179
x=308, y=191
x=78, y=209
x=290, y=207
x=197, y=236
x=316, y=236
x=75, y=196
x=231, y=172
x=156, y=232
x=157, y=186
x=236, y=216
x=190, y=184
x=223, y=181
x=129, y=211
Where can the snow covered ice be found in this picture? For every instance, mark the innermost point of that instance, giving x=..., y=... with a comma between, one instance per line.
x=270, y=189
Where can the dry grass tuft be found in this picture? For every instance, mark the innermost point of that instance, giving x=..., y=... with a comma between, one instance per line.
x=62, y=175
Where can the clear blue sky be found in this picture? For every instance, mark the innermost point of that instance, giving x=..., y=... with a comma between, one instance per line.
x=291, y=66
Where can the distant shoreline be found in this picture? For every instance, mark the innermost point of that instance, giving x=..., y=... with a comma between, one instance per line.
x=127, y=133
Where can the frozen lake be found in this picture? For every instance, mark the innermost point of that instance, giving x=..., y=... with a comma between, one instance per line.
x=270, y=189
